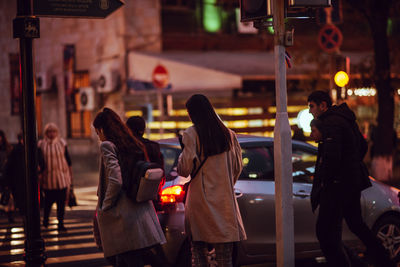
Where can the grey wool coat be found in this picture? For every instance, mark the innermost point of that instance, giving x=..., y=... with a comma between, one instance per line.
x=211, y=211
x=124, y=225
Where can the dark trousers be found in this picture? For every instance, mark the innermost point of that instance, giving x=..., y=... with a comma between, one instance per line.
x=132, y=258
x=59, y=197
x=337, y=204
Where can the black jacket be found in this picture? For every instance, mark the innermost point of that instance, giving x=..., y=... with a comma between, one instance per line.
x=153, y=151
x=344, y=148
x=15, y=173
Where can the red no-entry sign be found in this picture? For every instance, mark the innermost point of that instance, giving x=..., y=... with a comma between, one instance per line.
x=330, y=38
x=160, y=77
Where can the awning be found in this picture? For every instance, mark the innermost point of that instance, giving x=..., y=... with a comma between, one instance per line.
x=218, y=70
x=183, y=76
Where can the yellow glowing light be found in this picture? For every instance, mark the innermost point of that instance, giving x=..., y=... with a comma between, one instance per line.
x=292, y=121
x=290, y=109
x=169, y=125
x=157, y=136
x=255, y=123
x=245, y=161
x=133, y=113
x=256, y=110
x=238, y=124
x=341, y=78
x=183, y=124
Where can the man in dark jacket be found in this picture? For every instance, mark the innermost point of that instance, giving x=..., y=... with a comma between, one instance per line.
x=155, y=256
x=138, y=125
x=341, y=182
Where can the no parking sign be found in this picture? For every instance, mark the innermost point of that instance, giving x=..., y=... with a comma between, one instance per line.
x=330, y=38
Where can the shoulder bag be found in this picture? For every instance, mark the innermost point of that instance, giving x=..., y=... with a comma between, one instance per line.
x=192, y=176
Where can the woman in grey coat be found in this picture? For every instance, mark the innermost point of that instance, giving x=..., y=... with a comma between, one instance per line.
x=127, y=228
x=212, y=213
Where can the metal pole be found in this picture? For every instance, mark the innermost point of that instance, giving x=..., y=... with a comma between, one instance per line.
x=34, y=244
x=160, y=104
x=147, y=100
x=282, y=149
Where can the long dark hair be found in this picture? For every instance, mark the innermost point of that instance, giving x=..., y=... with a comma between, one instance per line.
x=4, y=145
x=117, y=132
x=214, y=137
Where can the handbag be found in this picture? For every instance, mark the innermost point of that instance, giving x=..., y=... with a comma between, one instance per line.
x=192, y=176
x=72, y=198
x=149, y=185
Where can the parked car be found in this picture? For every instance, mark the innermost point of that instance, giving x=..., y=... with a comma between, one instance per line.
x=255, y=191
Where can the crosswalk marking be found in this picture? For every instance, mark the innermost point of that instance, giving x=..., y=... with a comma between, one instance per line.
x=74, y=258
x=76, y=247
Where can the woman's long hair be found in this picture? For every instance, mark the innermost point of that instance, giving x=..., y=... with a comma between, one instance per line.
x=214, y=137
x=4, y=145
x=117, y=132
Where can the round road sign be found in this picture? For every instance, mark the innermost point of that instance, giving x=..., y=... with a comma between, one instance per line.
x=160, y=77
x=330, y=38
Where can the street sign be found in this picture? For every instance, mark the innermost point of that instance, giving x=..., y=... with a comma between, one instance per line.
x=330, y=38
x=160, y=77
x=76, y=8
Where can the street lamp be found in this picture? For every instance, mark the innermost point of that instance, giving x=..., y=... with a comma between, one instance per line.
x=341, y=78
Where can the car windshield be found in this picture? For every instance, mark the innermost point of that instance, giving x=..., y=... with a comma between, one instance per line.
x=171, y=155
x=303, y=165
x=258, y=163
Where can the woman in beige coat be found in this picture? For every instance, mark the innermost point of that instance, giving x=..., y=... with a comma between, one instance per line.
x=212, y=214
x=127, y=228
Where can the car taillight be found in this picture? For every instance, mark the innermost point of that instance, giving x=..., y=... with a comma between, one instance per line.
x=172, y=194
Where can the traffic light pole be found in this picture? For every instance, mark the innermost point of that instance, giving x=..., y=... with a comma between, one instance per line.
x=26, y=27
x=282, y=148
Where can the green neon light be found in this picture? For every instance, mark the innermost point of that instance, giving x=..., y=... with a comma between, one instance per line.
x=270, y=28
x=389, y=30
x=212, y=20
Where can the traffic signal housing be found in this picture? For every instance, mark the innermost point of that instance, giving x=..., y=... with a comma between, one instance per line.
x=251, y=10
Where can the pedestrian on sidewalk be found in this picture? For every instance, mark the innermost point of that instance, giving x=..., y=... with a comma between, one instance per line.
x=127, y=228
x=339, y=171
x=15, y=173
x=212, y=214
x=57, y=176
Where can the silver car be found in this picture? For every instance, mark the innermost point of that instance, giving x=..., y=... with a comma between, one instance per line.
x=255, y=194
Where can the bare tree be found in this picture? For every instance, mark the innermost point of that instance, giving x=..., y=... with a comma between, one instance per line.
x=377, y=13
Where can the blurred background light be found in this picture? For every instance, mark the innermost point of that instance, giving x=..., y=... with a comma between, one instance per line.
x=303, y=119
x=212, y=20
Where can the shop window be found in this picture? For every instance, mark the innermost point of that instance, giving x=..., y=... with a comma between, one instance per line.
x=79, y=120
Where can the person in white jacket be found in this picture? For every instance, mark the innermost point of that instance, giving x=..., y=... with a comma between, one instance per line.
x=212, y=213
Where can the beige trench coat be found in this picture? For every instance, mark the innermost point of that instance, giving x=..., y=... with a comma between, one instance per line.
x=211, y=211
x=124, y=225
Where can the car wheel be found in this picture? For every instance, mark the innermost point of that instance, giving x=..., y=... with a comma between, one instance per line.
x=387, y=230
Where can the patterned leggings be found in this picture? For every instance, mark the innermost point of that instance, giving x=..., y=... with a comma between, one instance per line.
x=200, y=253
